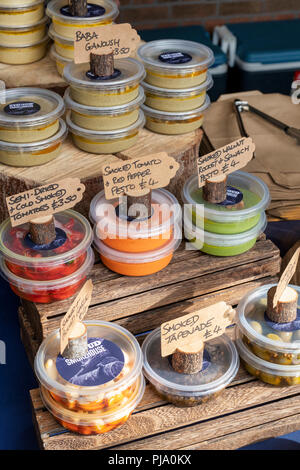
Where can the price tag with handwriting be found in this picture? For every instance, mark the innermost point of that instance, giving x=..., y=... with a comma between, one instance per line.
x=135, y=177
x=121, y=39
x=75, y=314
x=225, y=160
x=286, y=276
x=204, y=325
x=44, y=200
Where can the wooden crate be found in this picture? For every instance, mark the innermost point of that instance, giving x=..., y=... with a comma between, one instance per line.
x=247, y=411
x=191, y=281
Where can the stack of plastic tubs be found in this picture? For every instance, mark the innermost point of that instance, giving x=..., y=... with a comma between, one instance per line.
x=23, y=31
x=64, y=26
x=175, y=85
x=231, y=227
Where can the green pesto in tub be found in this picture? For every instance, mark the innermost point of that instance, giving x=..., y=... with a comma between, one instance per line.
x=223, y=250
x=250, y=199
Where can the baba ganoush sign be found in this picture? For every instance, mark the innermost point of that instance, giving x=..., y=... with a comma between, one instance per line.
x=225, y=160
x=135, y=177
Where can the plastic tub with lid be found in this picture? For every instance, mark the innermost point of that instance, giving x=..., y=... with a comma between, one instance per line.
x=223, y=245
x=220, y=366
x=100, y=12
x=30, y=115
x=102, y=381
x=271, y=373
x=61, y=62
x=24, y=54
x=119, y=89
x=18, y=36
x=278, y=343
x=135, y=236
x=176, y=100
x=46, y=292
x=63, y=46
x=18, y=3
x=105, y=141
x=104, y=118
x=22, y=15
x=175, y=63
x=59, y=259
x=174, y=123
x=224, y=220
x=35, y=153
x=138, y=264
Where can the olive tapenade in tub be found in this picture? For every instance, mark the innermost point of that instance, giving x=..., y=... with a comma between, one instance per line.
x=274, y=342
x=220, y=365
x=175, y=63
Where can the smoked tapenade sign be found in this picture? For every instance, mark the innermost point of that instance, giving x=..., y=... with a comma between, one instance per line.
x=135, y=177
x=201, y=325
x=225, y=160
x=121, y=39
x=44, y=200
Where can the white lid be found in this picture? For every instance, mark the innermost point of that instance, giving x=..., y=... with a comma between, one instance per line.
x=105, y=135
x=30, y=107
x=215, y=239
x=166, y=212
x=137, y=258
x=174, y=93
x=179, y=116
x=39, y=145
x=132, y=72
x=189, y=55
x=239, y=179
x=107, y=110
x=108, y=12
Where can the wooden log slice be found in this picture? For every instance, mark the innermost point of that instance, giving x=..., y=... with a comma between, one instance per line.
x=214, y=191
x=188, y=359
x=102, y=65
x=77, y=346
x=78, y=7
x=286, y=309
x=42, y=230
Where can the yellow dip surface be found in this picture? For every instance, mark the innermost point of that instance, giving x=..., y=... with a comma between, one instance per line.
x=22, y=16
x=23, y=55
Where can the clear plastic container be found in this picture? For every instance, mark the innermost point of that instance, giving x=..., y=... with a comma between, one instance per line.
x=175, y=63
x=163, y=122
x=272, y=342
x=135, y=236
x=18, y=36
x=218, y=218
x=25, y=53
x=106, y=141
x=138, y=264
x=220, y=366
x=268, y=372
x=46, y=292
x=100, y=12
x=63, y=46
x=36, y=153
x=223, y=245
x=17, y=3
x=103, y=381
x=22, y=15
x=61, y=62
x=121, y=89
x=30, y=115
x=177, y=100
x=60, y=258
x=95, y=422
x=104, y=118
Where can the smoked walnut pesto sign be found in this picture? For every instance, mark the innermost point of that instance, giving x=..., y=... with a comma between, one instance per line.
x=225, y=160
x=202, y=325
x=121, y=39
x=135, y=177
x=44, y=200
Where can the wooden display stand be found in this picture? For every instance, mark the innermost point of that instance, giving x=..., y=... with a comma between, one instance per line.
x=72, y=162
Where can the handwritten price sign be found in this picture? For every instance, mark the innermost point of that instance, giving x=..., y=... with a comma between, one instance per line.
x=121, y=39
x=225, y=160
x=44, y=200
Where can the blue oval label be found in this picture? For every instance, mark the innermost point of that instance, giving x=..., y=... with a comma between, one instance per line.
x=103, y=362
x=175, y=57
x=288, y=327
x=233, y=196
x=22, y=108
x=60, y=239
x=92, y=10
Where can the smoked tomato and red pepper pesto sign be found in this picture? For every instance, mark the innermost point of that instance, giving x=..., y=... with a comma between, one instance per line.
x=135, y=177
x=202, y=325
x=121, y=39
x=44, y=200
x=225, y=160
